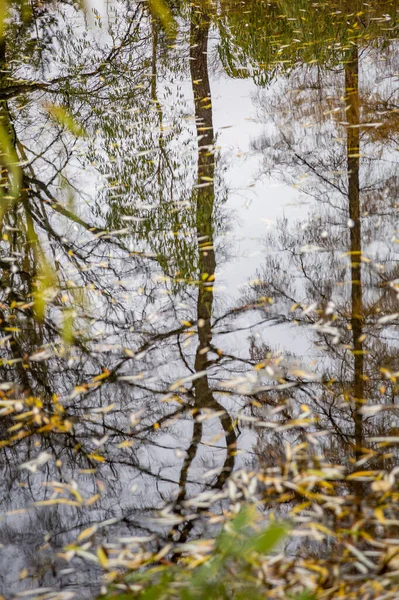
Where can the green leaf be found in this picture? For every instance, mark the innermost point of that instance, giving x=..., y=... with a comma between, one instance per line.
x=9, y=158
x=64, y=118
x=46, y=284
x=68, y=330
x=266, y=541
x=304, y=596
x=244, y=518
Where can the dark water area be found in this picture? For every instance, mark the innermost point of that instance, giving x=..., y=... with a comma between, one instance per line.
x=199, y=291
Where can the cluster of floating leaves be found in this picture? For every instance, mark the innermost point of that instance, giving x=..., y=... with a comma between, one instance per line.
x=341, y=521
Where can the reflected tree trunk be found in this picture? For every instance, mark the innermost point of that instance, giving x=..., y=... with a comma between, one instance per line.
x=205, y=201
x=356, y=319
x=353, y=164
x=205, y=196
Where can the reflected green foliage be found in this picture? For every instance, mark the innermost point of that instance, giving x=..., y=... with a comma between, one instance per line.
x=262, y=39
x=160, y=10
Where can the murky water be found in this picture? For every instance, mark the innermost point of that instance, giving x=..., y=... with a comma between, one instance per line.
x=199, y=288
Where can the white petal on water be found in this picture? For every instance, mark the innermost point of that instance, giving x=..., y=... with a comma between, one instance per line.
x=40, y=460
x=388, y=318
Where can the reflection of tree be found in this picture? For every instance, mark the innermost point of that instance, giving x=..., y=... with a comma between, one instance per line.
x=309, y=280
x=73, y=377
x=205, y=200
x=123, y=381
x=353, y=166
x=146, y=151
x=261, y=39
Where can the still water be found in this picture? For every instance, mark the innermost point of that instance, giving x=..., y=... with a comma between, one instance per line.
x=199, y=288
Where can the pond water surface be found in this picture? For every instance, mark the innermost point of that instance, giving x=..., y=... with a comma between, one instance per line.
x=199, y=278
